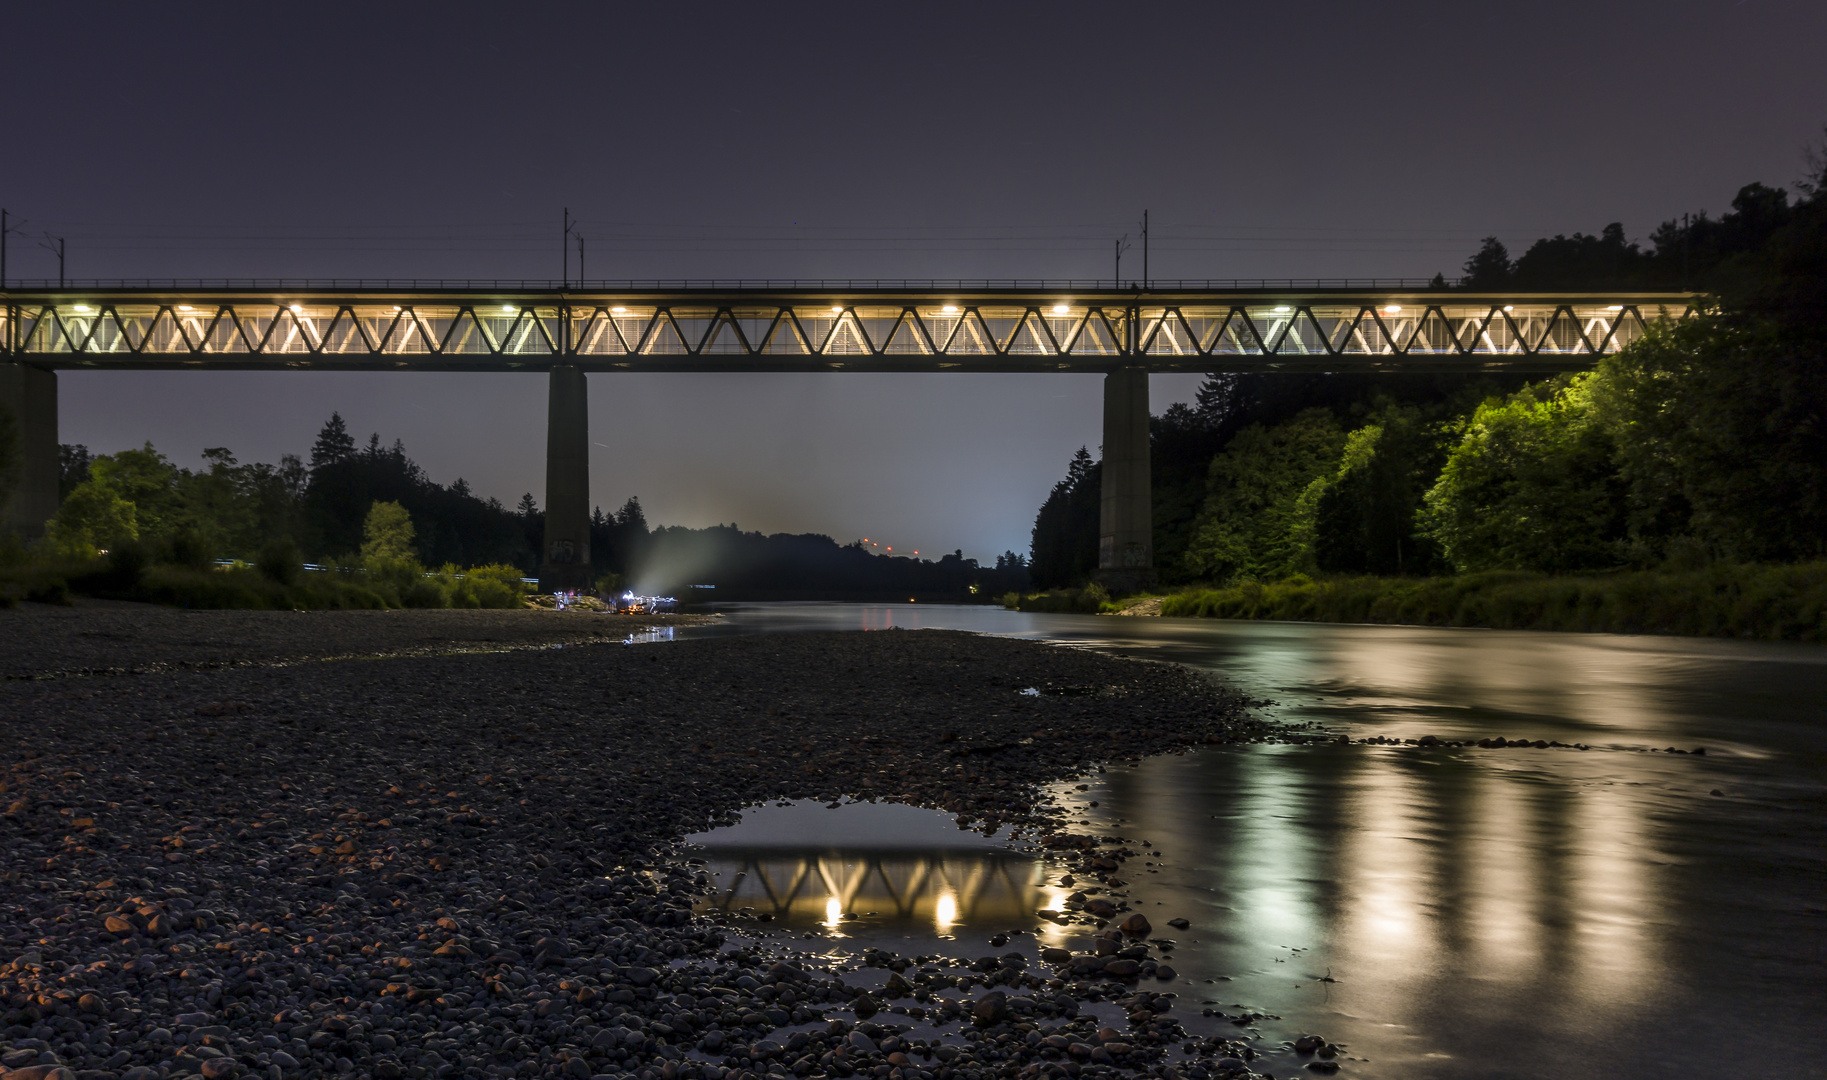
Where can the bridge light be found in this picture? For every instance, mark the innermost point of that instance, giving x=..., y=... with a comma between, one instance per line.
x=1391, y=309
x=618, y=310
x=509, y=308
x=1060, y=309
x=396, y=307
x=1509, y=307
x=1282, y=309
x=950, y=309
x=1615, y=307
x=81, y=307
x=296, y=308
x=837, y=311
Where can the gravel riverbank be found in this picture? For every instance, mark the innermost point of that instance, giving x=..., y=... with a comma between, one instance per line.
x=436, y=865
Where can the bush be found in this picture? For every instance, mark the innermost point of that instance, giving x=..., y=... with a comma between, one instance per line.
x=193, y=548
x=279, y=561
x=1719, y=600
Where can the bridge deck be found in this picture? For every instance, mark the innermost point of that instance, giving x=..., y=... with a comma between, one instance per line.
x=832, y=326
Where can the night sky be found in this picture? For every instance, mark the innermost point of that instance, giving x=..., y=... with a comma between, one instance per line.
x=839, y=140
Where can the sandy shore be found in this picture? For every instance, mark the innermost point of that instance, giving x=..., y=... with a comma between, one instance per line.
x=454, y=863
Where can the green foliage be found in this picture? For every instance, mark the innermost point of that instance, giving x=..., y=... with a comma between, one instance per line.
x=494, y=586
x=1364, y=515
x=1531, y=485
x=10, y=460
x=94, y=517
x=1258, y=514
x=144, y=478
x=1719, y=437
x=193, y=547
x=1721, y=600
x=387, y=534
x=279, y=561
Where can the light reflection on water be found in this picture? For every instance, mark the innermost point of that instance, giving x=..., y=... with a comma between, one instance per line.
x=1506, y=913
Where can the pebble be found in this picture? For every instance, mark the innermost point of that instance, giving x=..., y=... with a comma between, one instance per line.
x=439, y=866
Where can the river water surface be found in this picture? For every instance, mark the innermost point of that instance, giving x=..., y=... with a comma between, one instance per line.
x=1620, y=911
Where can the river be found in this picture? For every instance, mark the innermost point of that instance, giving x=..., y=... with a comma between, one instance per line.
x=1615, y=911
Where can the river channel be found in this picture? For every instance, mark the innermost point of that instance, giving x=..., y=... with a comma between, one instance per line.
x=1618, y=911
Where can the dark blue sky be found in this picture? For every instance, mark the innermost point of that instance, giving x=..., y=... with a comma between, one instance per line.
x=840, y=140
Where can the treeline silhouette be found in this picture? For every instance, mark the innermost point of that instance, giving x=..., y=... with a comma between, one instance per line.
x=1705, y=442
x=324, y=506
x=752, y=566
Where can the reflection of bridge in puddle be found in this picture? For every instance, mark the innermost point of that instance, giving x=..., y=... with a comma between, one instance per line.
x=943, y=891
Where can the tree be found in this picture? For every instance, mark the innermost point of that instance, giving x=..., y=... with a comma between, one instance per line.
x=146, y=479
x=1364, y=520
x=1490, y=269
x=93, y=517
x=334, y=443
x=387, y=534
x=73, y=460
x=631, y=518
x=1258, y=515
x=1531, y=484
x=528, y=506
x=1065, y=537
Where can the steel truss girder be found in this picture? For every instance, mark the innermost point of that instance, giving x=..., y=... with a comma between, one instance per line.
x=695, y=332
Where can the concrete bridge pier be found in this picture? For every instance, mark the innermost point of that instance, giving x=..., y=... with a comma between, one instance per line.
x=30, y=395
x=565, y=562
x=1126, y=548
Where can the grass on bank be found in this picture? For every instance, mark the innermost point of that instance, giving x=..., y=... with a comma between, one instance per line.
x=1786, y=602
x=277, y=581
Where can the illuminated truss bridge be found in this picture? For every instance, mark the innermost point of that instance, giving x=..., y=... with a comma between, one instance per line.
x=831, y=326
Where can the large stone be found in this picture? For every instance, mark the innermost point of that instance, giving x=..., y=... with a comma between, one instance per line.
x=991, y=1008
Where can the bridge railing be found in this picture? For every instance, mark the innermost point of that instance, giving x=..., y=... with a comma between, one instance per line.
x=724, y=284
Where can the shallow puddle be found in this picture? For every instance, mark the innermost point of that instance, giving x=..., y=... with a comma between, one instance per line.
x=881, y=875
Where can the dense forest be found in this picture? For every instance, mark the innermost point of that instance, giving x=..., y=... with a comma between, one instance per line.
x=1704, y=442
